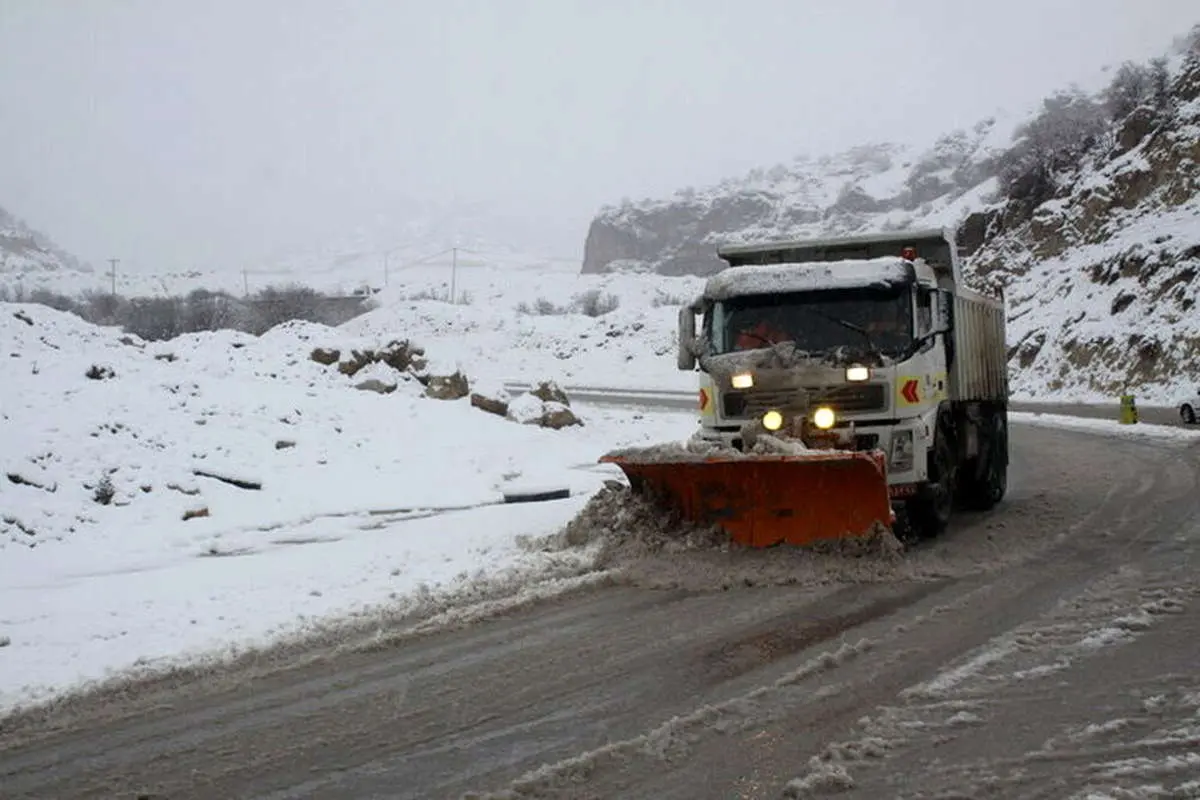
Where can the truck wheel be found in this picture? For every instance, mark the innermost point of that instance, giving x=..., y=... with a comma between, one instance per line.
x=1187, y=415
x=982, y=492
x=929, y=512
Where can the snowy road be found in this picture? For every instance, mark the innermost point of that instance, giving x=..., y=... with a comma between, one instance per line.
x=1045, y=650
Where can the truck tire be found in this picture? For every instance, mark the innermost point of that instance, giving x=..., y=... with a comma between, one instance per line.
x=989, y=484
x=930, y=511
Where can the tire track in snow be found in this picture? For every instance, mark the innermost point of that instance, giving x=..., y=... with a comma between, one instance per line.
x=1089, y=647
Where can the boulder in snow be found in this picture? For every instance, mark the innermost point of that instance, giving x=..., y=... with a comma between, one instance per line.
x=447, y=387
x=550, y=392
x=529, y=409
x=325, y=357
x=490, y=403
x=375, y=385
x=402, y=356
x=358, y=360
x=557, y=415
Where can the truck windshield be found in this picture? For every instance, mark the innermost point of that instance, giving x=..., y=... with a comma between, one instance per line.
x=816, y=321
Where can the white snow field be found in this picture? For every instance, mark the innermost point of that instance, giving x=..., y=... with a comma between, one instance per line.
x=344, y=519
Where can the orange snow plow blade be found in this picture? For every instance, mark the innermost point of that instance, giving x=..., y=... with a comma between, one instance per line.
x=764, y=500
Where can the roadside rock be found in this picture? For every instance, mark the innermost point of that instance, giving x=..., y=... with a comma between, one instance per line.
x=359, y=359
x=550, y=392
x=447, y=387
x=530, y=410
x=556, y=416
x=325, y=357
x=375, y=385
x=490, y=404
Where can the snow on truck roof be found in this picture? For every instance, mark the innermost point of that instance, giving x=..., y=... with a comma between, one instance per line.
x=808, y=276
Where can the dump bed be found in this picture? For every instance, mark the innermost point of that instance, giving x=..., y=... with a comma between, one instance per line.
x=980, y=367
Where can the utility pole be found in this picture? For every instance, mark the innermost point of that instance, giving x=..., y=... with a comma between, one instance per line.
x=386, y=255
x=453, y=275
x=245, y=282
x=113, y=274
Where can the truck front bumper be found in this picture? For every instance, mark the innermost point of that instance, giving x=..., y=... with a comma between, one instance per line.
x=905, y=445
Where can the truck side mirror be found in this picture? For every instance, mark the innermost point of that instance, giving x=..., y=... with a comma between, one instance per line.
x=686, y=359
x=943, y=312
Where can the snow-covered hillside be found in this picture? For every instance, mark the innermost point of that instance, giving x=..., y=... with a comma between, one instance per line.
x=29, y=254
x=168, y=498
x=1101, y=274
x=867, y=188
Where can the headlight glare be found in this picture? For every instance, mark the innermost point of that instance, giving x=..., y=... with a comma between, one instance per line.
x=772, y=420
x=824, y=418
x=743, y=380
x=857, y=374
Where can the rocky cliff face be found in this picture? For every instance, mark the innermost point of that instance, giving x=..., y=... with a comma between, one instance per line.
x=1086, y=215
x=1101, y=275
x=868, y=188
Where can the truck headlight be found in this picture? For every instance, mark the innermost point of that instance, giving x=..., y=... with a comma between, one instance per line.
x=824, y=418
x=858, y=374
x=902, y=451
x=743, y=380
x=772, y=420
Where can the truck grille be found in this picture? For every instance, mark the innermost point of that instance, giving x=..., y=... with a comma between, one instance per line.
x=844, y=399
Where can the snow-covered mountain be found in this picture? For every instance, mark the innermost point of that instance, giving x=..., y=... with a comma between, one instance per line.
x=866, y=188
x=1086, y=213
x=25, y=252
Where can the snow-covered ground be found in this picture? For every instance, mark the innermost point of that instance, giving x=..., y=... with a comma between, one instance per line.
x=518, y=324
x=344, y=518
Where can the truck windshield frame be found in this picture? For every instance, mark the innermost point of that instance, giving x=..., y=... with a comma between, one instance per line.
x=816, y=321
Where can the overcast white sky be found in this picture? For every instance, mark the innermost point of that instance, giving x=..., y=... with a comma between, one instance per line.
x=176, y=132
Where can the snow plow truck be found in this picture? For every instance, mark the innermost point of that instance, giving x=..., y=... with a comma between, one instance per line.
x=848, y=386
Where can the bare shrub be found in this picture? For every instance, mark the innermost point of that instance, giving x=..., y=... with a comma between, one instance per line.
x=274, y=306
x=104, y=491
x=155, y=319
x=667, y=299
x=1051, y=146
x=593, y=303
x=102, y=308
x=542, y=308
x=59, y=302
x=213, y=311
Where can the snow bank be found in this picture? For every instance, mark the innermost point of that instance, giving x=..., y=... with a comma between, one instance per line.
x=172, y=498
x=524, y=326
x=1107, y=427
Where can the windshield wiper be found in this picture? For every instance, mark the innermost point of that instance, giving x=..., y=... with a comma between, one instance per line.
x=850, y=326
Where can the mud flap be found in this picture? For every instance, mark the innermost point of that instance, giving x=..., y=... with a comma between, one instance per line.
x=764, y=500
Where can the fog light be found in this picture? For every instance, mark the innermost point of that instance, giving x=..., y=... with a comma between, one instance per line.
x=824, y=418
x=772, y=420
x=743, y=380
x=858, y=374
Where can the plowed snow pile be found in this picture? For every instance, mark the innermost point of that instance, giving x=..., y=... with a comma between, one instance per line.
x=171, y=499
x=646, y=545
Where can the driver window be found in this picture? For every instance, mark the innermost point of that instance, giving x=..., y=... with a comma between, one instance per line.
x=924, y=312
